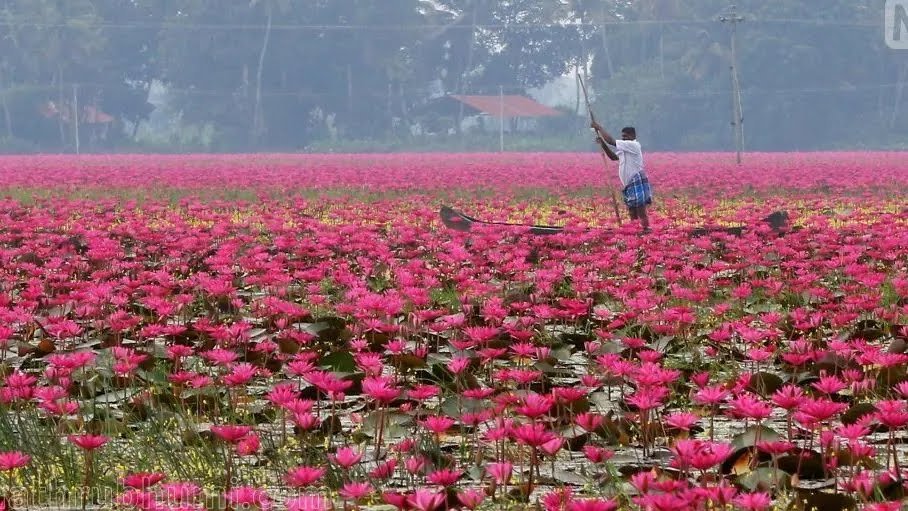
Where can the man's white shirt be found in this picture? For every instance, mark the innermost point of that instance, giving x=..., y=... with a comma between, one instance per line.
x=630, y=159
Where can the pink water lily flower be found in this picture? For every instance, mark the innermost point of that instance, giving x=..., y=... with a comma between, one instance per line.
x=356, y=490
x=346, y=457
x=231, y=433
x=88, y=442
x=301, y=476
x=12, y=460
x=471, y=498
x=142, y=480
x=425, y=500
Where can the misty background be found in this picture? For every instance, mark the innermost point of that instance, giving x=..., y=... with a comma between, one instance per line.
x=375, y=75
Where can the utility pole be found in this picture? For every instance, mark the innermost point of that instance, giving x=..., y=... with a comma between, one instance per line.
x=501, y=118
x=76, y=116
x=737, y=115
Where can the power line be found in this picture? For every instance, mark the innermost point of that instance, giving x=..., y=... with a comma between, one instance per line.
x=403, y=27
x=513, y=88
x=802, y=21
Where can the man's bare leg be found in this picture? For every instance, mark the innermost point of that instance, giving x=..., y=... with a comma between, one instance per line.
x=639, y=213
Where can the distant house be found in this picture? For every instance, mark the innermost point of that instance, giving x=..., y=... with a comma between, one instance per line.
x=93, y=123
x=90, y=114
x=493, y=112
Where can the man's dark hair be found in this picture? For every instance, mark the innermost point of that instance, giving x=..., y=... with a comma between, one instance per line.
x=630, y=131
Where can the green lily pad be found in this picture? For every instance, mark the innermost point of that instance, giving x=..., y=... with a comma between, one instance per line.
x=339, y=362
x=853, y=414
x=765, y=384
x=456, y=407
x=117, y=396
x=765, y=479
x=752, y=435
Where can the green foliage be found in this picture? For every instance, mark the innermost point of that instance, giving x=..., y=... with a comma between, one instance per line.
x=57, y=54
x=358, y=75
x=15, y=145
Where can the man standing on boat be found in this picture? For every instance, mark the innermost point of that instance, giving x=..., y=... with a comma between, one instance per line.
x=637, y=192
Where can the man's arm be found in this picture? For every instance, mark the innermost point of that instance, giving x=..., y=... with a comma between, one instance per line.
x=604, y=135
x=606, y=149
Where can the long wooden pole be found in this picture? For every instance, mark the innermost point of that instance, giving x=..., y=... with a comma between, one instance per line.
x=602, y=149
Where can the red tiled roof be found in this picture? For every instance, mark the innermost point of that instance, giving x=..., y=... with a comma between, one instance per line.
x=92, y=115
x=508, y=106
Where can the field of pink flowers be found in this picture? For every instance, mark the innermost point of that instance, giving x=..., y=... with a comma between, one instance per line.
x=413, y=172
x=180, y=333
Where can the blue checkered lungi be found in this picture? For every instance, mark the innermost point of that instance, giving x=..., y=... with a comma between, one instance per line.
x=638, y=192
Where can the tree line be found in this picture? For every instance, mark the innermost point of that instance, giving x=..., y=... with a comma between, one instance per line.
x=268, y=75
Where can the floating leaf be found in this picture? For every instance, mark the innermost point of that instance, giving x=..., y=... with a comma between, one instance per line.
x=663, y=343
x=117, y=396
x=339, y=362
x=575, y=339
x=566, y=477
x=891, y=376
x=440, y=374
x=257, y=334
x=396, y=425
x=752, y=435
x=474, y=472
x=408, y=361
x=602, y=401
x=159, y=377
x=456, y=407
x=87, y=345
x=331, y=425
x=765, y=384
x=288, y=346
x=561, y=354
x=327, y=329
x=804, y=463
x=615, y=431
x=575, y=437
x=812, y=484
x=765, y=479
x=743, y=461
x=854, y=414
x=46, y=346
x=742, y=464
x=552, y=371
x=577, y=406
x=847, y=457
